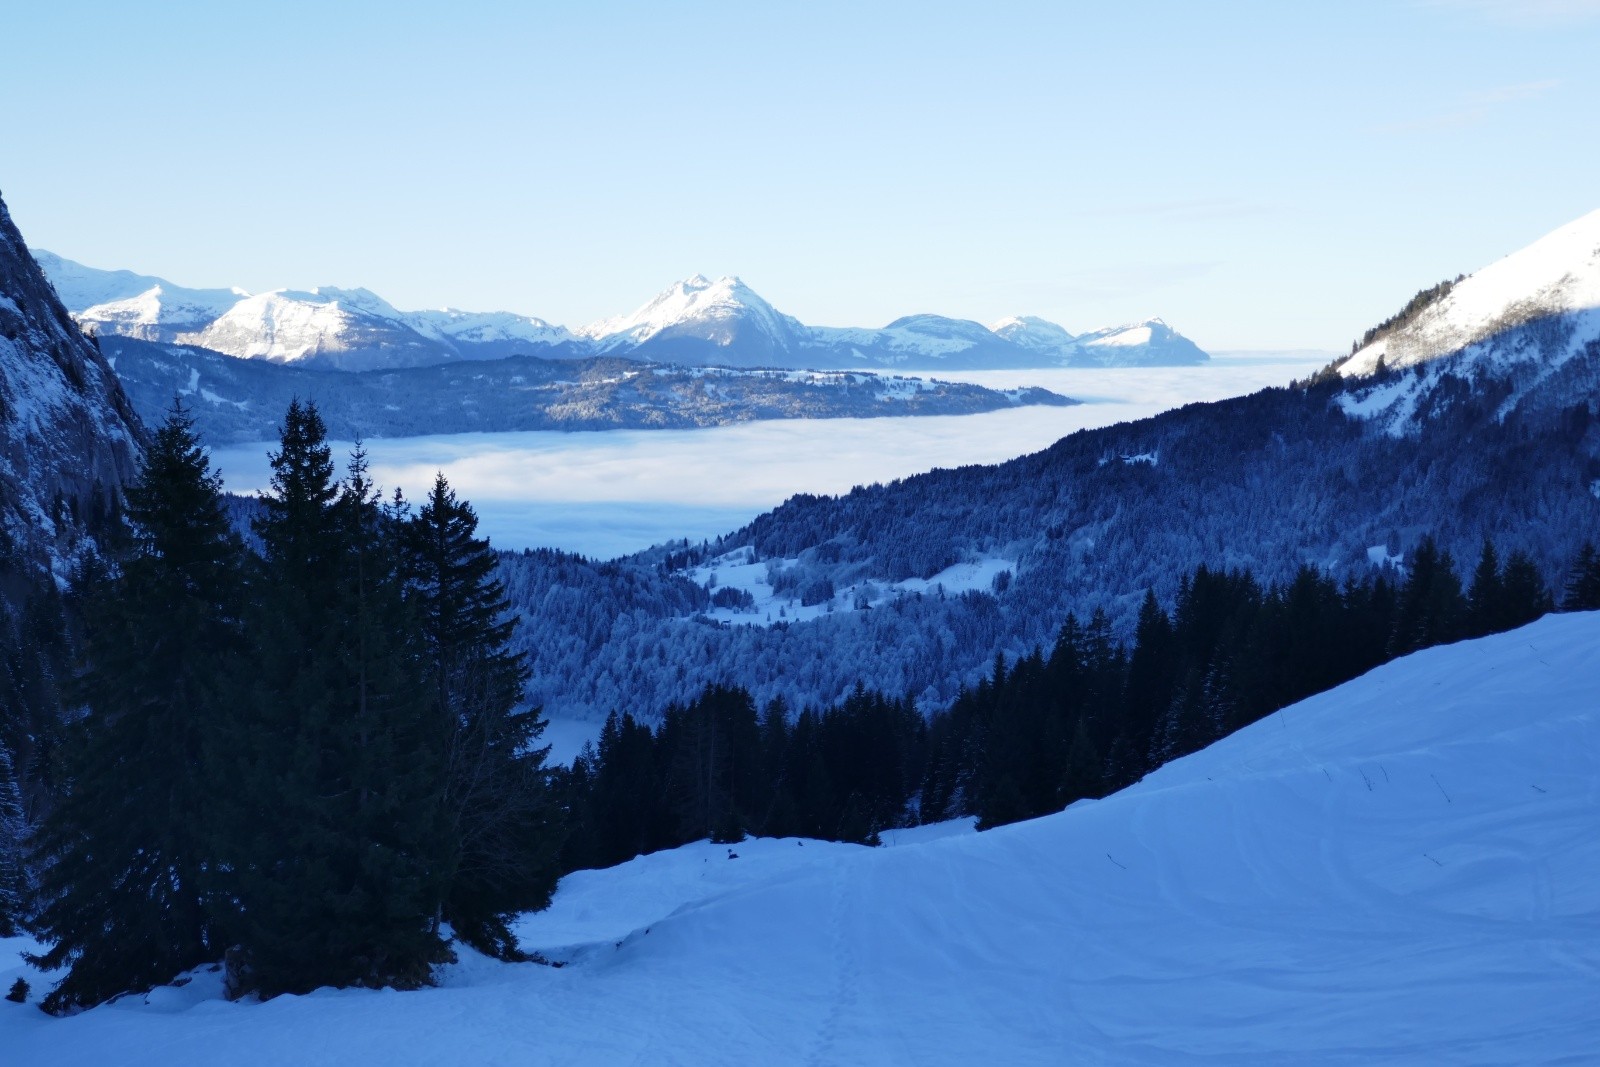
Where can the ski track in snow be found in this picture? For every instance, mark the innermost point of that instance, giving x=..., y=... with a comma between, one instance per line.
x=1401, y=870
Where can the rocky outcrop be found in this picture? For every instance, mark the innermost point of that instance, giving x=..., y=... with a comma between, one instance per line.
x=69, y=438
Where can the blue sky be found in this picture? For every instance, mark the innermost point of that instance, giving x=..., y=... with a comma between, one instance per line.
x=1259, y=174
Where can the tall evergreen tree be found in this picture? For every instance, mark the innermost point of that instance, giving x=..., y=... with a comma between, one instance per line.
x=1486, y=595
x=339, y=845
x=1524, y=596
x=124, y=854
x=1583, y=583
x=1431, y=608
x=503, y=819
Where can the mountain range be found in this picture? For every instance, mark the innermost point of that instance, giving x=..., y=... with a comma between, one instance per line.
x=696, y=321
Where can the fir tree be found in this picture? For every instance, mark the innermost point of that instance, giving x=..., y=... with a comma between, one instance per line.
x=1486, y=597
x=1524, y=596
x=1431, y=607
x=504, y=822
x=1583, y=584
x=339, y=845
x=124, y=854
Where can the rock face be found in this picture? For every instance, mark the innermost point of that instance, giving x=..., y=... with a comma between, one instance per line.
x=69, y=438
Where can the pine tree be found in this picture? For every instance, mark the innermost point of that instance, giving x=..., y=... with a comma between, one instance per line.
x=1524, y=596
x=1583, y=584
x=124, y=854
x=1486, y=597
x=1431, y=607
x=339, y=845
x=1152, y=674
x=504, y=821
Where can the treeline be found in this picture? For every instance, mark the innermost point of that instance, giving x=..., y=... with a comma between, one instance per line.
x=1424, y=299
x=308, y=760
x=716, y=768
x=1092, y=716
x=1087, y=718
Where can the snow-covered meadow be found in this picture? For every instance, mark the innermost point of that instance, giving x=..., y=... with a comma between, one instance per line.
x=609, y=493
x=1400, y=870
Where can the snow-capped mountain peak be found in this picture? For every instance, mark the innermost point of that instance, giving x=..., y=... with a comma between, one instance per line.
x=1557, y=276
x=1034, y=333
x=716, y=311
x=1132, y=343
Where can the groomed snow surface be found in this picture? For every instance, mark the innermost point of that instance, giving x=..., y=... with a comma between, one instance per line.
x=1402, y=870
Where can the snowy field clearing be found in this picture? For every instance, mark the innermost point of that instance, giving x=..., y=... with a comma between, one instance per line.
x=739, y=570
x=1402, y=870
x=609, y=493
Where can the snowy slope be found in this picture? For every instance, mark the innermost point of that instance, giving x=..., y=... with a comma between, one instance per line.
x=486, y=327
x=1151, y=343
x=133, y=305
x=720, y=313
x=288, y=326
x=1556, y=277
x=1031, y=332
x=1398, y=871
x=82, y=287
x=161, y=313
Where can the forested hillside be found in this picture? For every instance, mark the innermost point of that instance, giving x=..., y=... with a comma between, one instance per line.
x=1270, y=482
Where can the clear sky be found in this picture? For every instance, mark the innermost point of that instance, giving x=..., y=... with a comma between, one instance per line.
x=1259, y=174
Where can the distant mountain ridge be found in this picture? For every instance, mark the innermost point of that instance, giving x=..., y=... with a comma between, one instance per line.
x=720, y=322
x=235, y=400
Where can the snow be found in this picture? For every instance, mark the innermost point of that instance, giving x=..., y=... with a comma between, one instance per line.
x=1559, y=274
x=1122, y=336
x=81, y=287
x=161, y=308
x=566, y=738
x=1399, y=870
x=1034, y=333
x=1378, y=556
x=286, y=325
x=480, y=327
x=711, y=305
x=740, y=569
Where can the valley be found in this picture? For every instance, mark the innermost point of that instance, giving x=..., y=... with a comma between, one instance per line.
x=616, y=492
x=1103, y=565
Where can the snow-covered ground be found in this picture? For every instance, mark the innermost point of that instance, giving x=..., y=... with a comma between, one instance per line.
x=606, y=494
x=1401, y=870
x=740, y=570
x=1557, y=275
